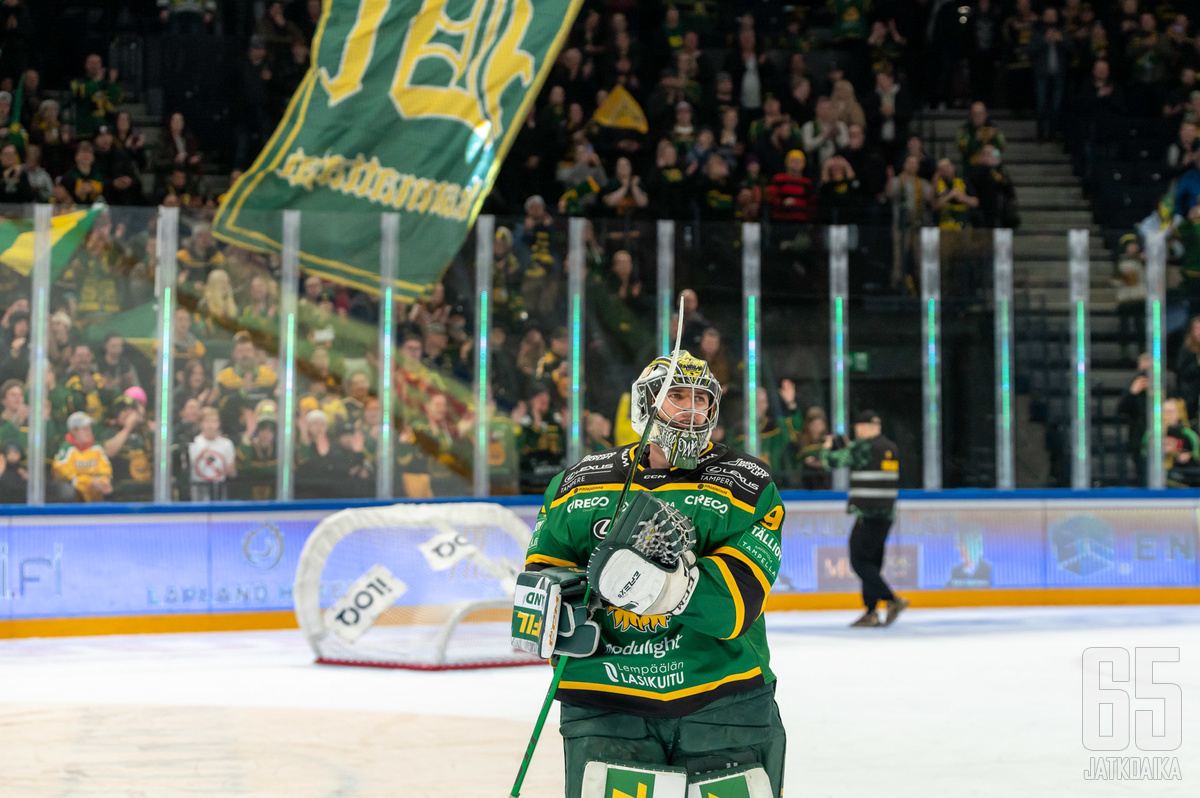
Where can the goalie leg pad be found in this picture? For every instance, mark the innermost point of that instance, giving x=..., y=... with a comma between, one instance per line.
x=619, y=780
x=747, y=781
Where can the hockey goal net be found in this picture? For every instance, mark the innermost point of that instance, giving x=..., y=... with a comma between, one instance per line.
x=420, y=586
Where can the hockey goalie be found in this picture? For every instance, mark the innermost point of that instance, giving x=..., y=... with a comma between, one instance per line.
x=668, y=689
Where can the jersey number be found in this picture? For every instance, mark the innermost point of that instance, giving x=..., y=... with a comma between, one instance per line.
x=773, y=519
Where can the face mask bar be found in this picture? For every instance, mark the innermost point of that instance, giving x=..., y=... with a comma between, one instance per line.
x=683, y=409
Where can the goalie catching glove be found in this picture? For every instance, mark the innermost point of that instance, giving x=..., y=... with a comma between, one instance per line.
x=549, y=617
x=646, y=564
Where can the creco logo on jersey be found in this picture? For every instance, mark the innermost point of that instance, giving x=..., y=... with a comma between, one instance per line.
x=700, y=500
x=589, y=503
x=624, y=620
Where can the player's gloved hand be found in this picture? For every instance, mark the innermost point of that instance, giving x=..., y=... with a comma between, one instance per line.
x=645, y=564
x=578, y=635
x=549, y=617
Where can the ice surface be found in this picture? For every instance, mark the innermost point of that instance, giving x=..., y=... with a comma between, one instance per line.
x=980, y=702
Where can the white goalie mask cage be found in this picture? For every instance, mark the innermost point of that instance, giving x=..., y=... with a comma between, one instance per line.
x=419, y=586
x=680, y=435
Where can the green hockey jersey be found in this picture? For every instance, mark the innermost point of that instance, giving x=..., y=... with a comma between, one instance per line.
x=660, y=665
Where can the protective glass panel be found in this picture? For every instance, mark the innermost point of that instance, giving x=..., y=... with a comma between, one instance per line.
x=966, y=349
x=531, y=361
x=1043, y=357
x=338, y=419
x=101, y=375
x=708, y=262
x=621, y=324
x=794, y=371
x=1124, y=340
x=15, y=372
x=884, y=356
x=225, y=330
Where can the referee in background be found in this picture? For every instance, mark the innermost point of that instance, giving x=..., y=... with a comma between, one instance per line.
x=874, y=463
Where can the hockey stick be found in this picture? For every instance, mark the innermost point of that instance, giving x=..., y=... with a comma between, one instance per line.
x=637, y=458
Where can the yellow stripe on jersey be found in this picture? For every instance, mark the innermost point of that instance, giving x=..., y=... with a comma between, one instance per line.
x=544, y=559
x=725, y=492
x=754, y=569
x=671, y=696
x=739, y=604
x=587, y=489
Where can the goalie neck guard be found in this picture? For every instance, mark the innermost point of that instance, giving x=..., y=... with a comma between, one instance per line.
x=678, y=431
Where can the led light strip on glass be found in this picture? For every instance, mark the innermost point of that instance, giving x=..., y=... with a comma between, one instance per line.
x=931, y=297
x=485, y=236
x=1081, y=470
x=167, y=247
x=1156, y=294
x=751, y=294
x=389, y=256
x=39, y=330
x=575, y=284
x=1003, y=294
x=289, y=296
x=839, y=297
x=666, y=284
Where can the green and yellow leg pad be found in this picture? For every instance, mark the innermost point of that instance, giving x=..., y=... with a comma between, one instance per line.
x=621, y=780
x=747, y=781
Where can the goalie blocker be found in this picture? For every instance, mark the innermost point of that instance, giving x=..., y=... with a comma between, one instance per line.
x=549, y=618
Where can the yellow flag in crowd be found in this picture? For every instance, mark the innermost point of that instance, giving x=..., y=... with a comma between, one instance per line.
x=621, y=110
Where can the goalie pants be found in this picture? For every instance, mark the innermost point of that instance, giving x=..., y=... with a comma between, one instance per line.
x=741, y=729
x=867, y=541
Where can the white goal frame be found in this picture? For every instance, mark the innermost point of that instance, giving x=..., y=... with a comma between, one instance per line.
x=306, y=590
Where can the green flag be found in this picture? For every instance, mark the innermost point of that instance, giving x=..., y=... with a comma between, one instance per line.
x=66, y=234
x=409, y=107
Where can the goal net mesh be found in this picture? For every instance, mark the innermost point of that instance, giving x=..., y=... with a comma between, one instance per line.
x=442, y=599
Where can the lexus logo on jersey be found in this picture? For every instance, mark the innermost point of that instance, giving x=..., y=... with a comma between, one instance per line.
x=600, y=528
x=210, y=466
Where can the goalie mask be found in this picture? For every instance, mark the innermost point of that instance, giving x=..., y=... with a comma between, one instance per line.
x=681, y=428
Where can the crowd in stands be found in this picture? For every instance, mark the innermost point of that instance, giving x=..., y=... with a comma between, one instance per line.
x=792, y=115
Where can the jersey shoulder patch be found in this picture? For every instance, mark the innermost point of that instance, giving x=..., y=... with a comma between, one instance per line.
x=599, y=468
x=744, y=476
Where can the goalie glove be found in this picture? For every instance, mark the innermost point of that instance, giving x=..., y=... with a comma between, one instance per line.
x=645, y=564
x=549, y=618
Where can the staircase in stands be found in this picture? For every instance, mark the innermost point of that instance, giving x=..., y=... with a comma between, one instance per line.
x=1051, y=202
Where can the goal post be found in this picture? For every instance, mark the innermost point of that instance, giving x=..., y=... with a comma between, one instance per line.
x=419, y=586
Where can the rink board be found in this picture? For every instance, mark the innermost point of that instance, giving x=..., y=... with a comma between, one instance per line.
x=172, y=568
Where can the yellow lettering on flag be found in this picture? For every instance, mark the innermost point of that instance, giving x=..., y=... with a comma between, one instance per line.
x=620, y=110
x=487, y=59
x=356, y=54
